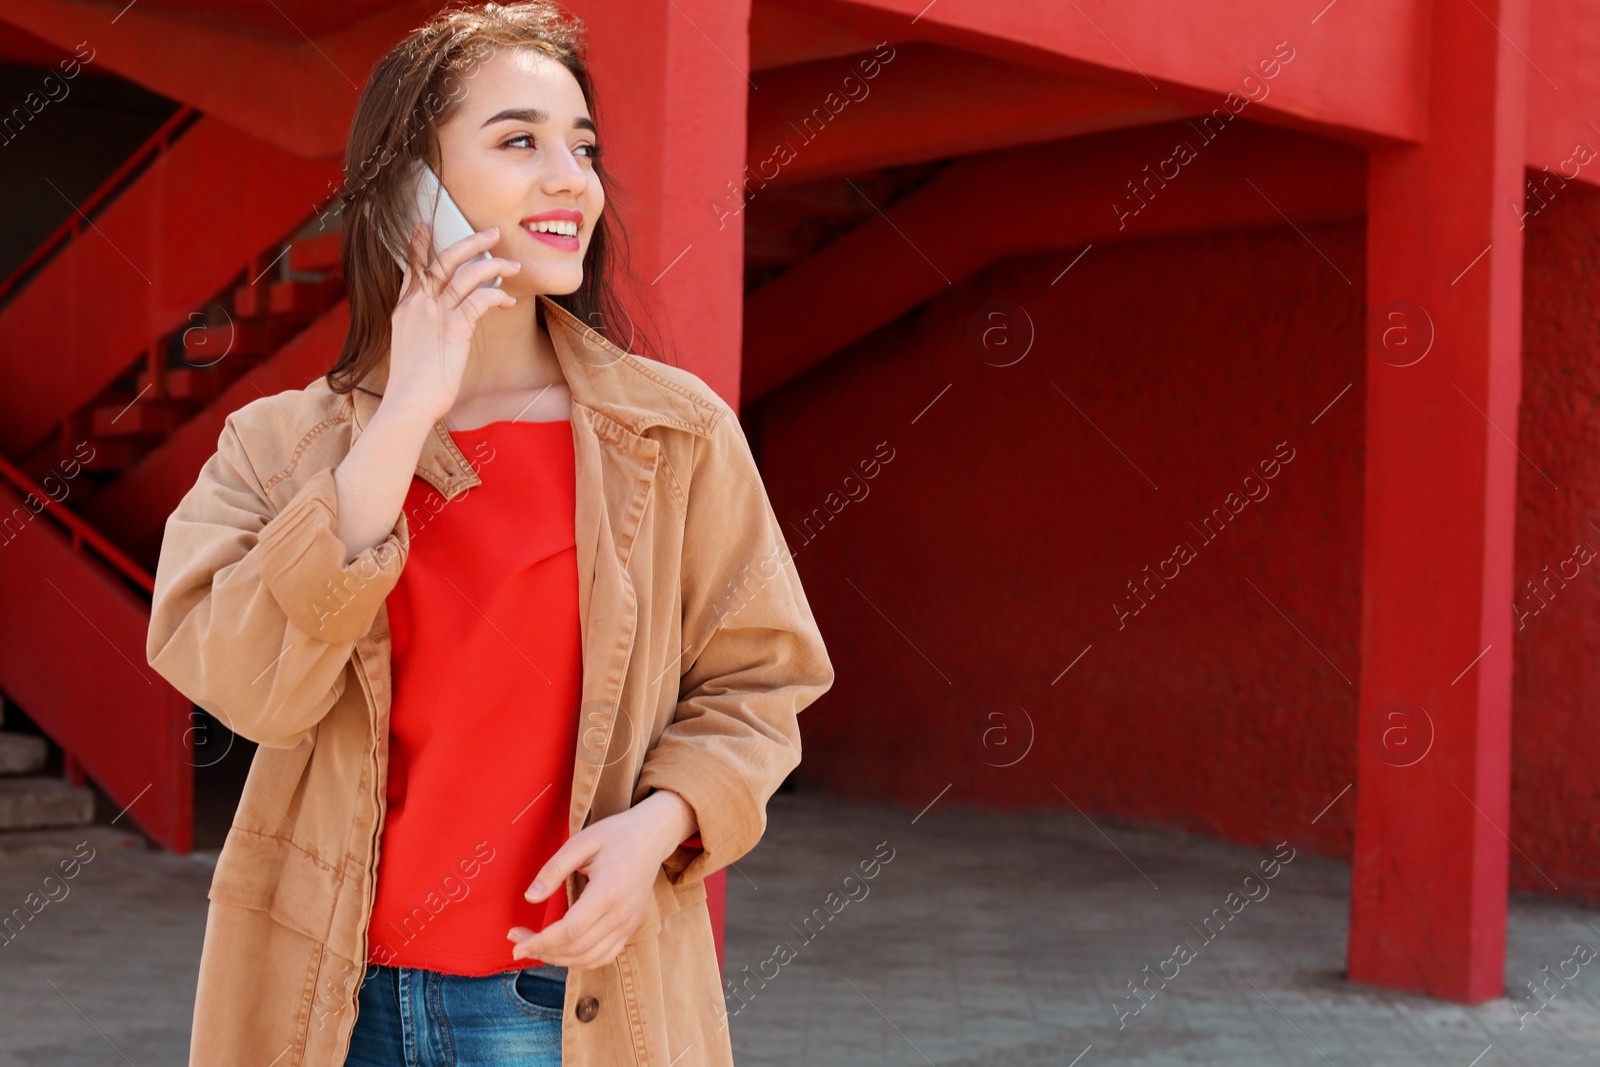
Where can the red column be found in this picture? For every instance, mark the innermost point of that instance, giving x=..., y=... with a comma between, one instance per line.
x=673, y=86
x=1444, y=254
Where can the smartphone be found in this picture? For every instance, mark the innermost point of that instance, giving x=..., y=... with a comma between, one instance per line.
x=448, y=223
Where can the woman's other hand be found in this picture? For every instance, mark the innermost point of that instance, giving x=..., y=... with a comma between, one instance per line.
x=620, y=856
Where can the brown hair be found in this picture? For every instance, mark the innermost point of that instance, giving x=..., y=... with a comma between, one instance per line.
x=414, y=88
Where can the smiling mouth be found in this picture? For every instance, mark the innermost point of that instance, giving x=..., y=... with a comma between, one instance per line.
x=559, y=234
x=553, y=227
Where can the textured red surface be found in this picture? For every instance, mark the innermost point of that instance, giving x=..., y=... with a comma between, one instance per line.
x=1555, y=729
x=1002, y=532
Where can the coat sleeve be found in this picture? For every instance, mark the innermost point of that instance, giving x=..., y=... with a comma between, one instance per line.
x=255, y=612
x=754, y=656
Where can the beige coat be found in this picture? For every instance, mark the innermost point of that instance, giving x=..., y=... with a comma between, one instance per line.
x=699, y=651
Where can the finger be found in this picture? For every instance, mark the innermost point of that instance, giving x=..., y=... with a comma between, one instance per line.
x=453, y=256
x=523, y=946
x=608, y=952
x=604, y=921
x=553, y=945
x=473, y=308
x=430, y=280
x=573, y=922
x=601, y=955
x=473, y=274
x=573, y=854
x=559, y=935
x=569, y=931
x=546, y=945
x=603, y=949
x=436, y=276
x=594, y=948
x=585, y=938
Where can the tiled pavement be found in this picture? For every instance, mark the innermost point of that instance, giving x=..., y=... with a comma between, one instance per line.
x=1007, y=939
x=986, y=939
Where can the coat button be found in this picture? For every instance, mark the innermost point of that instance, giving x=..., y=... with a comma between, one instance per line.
x=588, y=1008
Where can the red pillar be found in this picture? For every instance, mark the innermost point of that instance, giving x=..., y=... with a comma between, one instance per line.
x=673, y=88
x=673, y=85
x=1444, y=253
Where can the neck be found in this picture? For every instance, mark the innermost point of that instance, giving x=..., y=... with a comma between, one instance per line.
x=511, y=350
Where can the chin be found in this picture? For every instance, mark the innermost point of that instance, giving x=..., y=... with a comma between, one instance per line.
x=570, y=285
x=549, y=284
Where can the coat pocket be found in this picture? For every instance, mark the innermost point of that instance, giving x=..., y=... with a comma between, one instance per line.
x=666, y=900
x=272, y=874
x=688, y=893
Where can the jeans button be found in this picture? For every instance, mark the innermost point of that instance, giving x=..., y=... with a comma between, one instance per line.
x=588, y=1008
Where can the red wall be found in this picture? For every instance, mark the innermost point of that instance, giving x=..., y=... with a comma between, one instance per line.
x=1555, y=737
x=1003, y=529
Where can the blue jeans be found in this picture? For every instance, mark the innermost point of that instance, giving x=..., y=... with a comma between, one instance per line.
x=410, y=1017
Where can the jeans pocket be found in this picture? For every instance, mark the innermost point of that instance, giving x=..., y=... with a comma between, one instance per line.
x=536, y=992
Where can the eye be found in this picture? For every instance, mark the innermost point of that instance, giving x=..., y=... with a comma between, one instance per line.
x=527, y=140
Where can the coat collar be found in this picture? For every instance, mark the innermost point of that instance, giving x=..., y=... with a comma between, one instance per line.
x=603, y=379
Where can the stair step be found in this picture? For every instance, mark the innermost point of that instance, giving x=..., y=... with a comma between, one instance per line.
x=315, y=253
x=303, y=298
x=294, y=299
x=192, y=384
x=31, y=802
x=62, y=843
x=241, y=340
x=250, y=302
x=151, y=418
x=113, y=455
x=22, y=753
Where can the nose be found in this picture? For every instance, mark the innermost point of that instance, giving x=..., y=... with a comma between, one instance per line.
x=565, y=174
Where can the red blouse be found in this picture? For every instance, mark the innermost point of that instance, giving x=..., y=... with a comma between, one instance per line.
x=487, y=671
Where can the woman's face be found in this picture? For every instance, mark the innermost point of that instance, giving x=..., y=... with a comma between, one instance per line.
x=518, y=152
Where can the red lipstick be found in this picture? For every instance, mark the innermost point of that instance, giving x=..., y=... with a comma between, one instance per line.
x=566, y=241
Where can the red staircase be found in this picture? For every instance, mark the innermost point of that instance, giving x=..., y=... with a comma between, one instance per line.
x=100, y=440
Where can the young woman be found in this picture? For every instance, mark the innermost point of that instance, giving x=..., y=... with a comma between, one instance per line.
x=505, y=608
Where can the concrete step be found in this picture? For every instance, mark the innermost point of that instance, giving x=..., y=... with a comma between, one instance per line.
x=33, y=801
x=60, y=842
x=21, y=753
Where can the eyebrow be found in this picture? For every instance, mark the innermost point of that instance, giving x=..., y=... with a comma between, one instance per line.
x=537, y=116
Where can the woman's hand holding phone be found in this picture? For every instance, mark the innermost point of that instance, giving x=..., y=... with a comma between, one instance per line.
x=430, y=340
x=434, y=319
